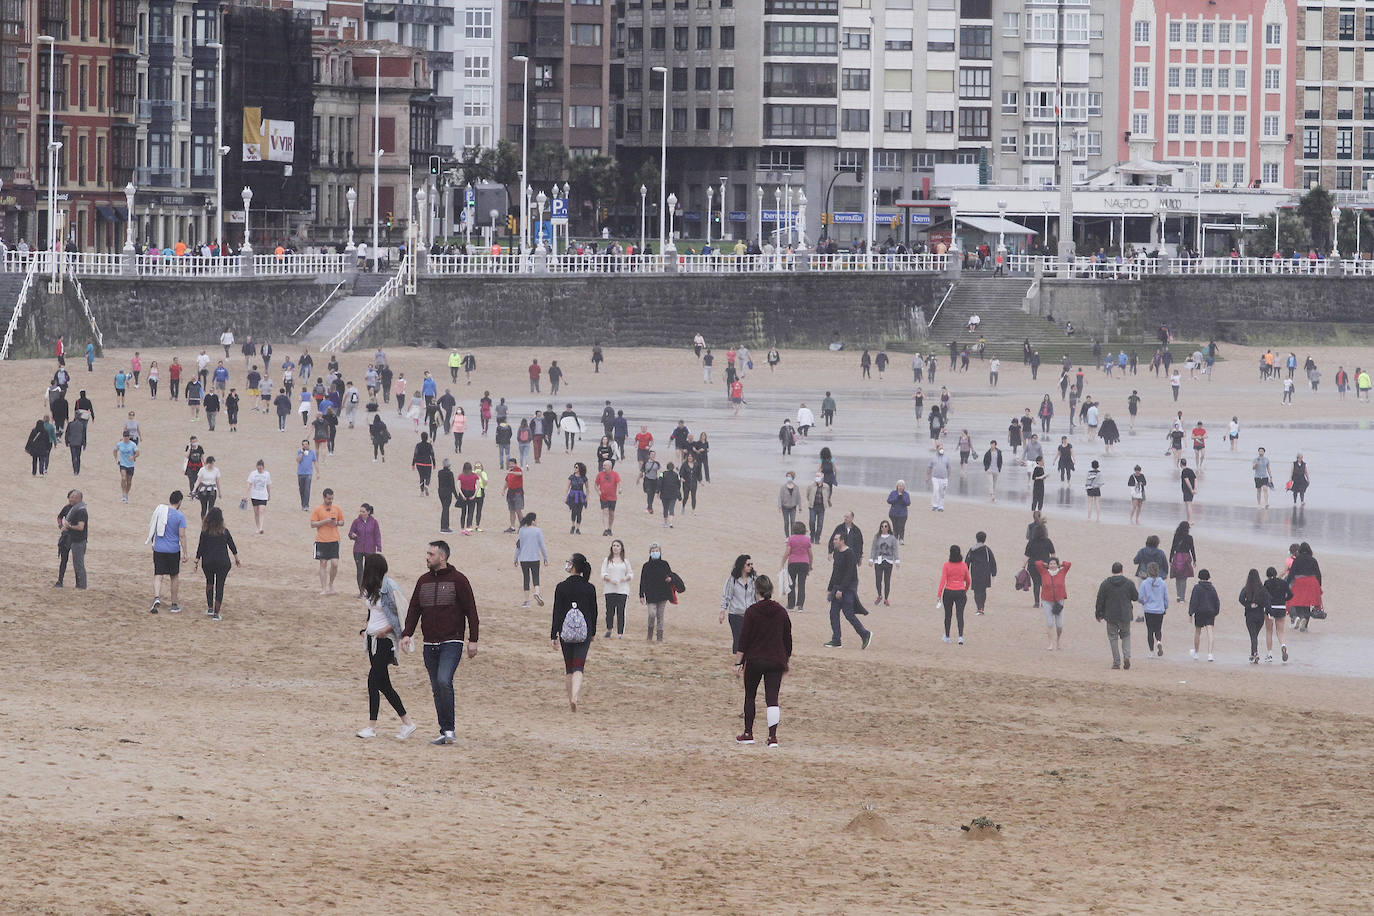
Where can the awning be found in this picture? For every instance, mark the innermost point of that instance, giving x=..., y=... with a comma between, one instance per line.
x=106, y=212
x=996, y=225
x=1145, y=167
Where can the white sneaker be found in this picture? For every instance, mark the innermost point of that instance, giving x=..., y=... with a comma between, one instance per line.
x=406, y=731
x=944, y=639
x=1210, y=659
x=368, y=732
x=961, y=640
x=1192, y=653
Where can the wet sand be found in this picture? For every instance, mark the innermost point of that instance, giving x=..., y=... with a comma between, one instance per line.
x=172, y=763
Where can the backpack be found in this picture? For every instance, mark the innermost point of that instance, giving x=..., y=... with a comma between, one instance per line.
x=574, y=626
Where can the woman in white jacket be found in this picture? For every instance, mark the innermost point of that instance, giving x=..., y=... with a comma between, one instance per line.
x=616, y=574
x=382, y=633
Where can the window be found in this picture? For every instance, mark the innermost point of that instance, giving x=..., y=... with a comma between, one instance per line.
x=1345, y=142
x=897, y=122
x=1271, y=125
x=1140, y=77
x=854, y=119
x=1238, y=125
x=939, y=122
x=1271, y=79
x=634, y=39
x=1205, y=173
x=1312, y=102
x=1311, y=143
x=1171, y=124
x=548, y=115
x=725, y=78
x=1011, y=25
x=703, y=37
x=1044, y=26
x=975, y=124
x=703, y=79
x=1346, y=25
x=854, y=79
x=1140, y=123
x=1204, y=125
x=1206, y=77
x=1190, y=77
x=679, y=79
x=585, y=36
x=1208, y=33
x=799, y=80
x=975, y=84
x=477, y=24
x=1175, y=31
x=1089, y=143
x=1040, y=144
x=803, y=40
x=1239, y=75
x=901, y=40
x=1223, y=78
x=799, y=120
x=1172, y=77
x=725, y=119
x=1368, y=104
x=1009, y=100
x=1344, y=176
x=849, y=160
x=1224, y=33
x=922, y=162
x=1270, y=172
x=1076, y=27
x=1189, y=125
x=634, y=121
x=1223, y=124
x=887, y=160
x=658, y=40
x=703, y=119
x=1140, y=32
x=477, y=102
x=1273, y=34
x=1190, y=33
x=1095, y=104
x=1242, y=33
x=584, y=116
x=680, y=38
x=856, y=39
x=1367, y=143
x=1222, y=173
x=727, y=36
x=1008, y=144
x=1040, y=105
x=477, y=66
x=634, y=79
x=679, y=119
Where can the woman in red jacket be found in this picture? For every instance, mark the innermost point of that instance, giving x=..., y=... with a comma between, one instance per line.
x=1052, y=597
x=953, y=590
x=765, y=646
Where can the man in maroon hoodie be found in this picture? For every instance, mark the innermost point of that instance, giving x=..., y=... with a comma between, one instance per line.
x=765, y=646
x=443, y=606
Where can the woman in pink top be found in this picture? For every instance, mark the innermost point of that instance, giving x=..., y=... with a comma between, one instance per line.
x=136, y=364
x=458, y=427
x=796, y=556
x=953, y=590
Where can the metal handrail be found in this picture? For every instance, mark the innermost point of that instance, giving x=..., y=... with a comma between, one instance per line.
x=354, y=326
x=18, y=308
x=317, y=308
x=86, y=306
x=943, y=299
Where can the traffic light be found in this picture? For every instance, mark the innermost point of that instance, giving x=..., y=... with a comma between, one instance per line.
x=434, y=165
x=388, y=219
x=825, y=219
x=510, y=223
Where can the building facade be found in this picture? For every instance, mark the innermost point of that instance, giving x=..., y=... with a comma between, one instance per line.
x=569, y=84
x=1210, y=89
x=1334, y=104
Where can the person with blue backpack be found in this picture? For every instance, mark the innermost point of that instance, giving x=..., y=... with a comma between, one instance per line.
x=571, y=629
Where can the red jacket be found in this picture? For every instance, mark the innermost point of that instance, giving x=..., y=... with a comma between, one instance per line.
x=953, y=576
x=1052, y=586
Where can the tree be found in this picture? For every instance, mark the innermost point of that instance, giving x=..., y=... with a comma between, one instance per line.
x=502, y=166
x=595, y=179
x=548, y=164
x=1293, y=235
x=1350, y=241
x=1315, y=210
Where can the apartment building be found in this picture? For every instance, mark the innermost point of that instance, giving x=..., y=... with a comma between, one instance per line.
x=1055, y=74
x=1333, y=111
x=17, y=197
x=568, y=46
x=1209, y=88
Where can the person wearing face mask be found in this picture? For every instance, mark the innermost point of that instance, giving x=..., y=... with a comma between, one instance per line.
x=817, y=498
x=571, y=629
x=737, y=595
x=899, y=502
x=658, y=585
x=789, y=500
x=937, y=475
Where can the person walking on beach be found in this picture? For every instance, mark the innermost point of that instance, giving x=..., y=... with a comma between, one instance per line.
x=167, y=534
x=514, y=490
x=937, y=475
x=884, y=558
x=442, y=605
x=1263, y=480
x=530, y=550
x=796, y=559
x=1093, y=486
x=1053, y=594
x=1038, y=484
x=992, y=465
x=952, y=592
x=1137, y=484
x=762, y=653
x=126, y=453
x=1115, y=597
x=818, y=497
x=1254, y=600
x=982, y=568
x=608, y=491
x=1276, y=612
x=213, y=555
x=366, y=534
x=72, y=522
x=616, y=575
x=571, y=630
x=737, y=595
x=1153, y=592
x=1182, y=557
x=1203, y=608
x=326, y=519
x=1188, y=480
x=381, y=633
x=1298, y=480
x=648, y=478
x=658, y=586
x=843, y=588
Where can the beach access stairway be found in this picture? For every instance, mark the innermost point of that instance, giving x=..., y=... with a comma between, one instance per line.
x=345, y=308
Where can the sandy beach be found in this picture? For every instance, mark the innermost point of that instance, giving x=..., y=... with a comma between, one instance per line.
x=160, y=764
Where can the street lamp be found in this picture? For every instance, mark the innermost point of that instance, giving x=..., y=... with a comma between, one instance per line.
x=376, y=152
x=129, y=191
x=524, y=60
x=663, y=166
x=672, y=213
x=422, y=211
x=953, y=225
x=643, y=197
x=352, y=198
x=1335, y=220
x=1197, y=229
x=220, y=148
x=723, y=179
x=247, y=195
x=777, y=217
x=760, y=212
x=1001, y=233
x=493, y=213
x=53, y=147
x=710, y=196
x=1277, y=214
x=541, y=199
x=567, y=195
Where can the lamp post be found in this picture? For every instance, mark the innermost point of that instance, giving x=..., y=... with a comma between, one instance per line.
x=760, y=212
x=567, y=195
x=663, y=241
x=1197, y=229
x=53, y=147
x=953, y=225
x=777, y=218
x=372, y=254
x=129, y=191
x=643, y=204
x=493, y=213
x=219, y=139
x=524, y=60
x=1001, y=233
x=785, y=217
x=422, y=211
x=710, y=196
x=247, y=195
x=1163, y=213
x=352, y=198
x=1277, y=213
x=541, y=198
x=723, y=179
x=672, y=214
x=1335, y=221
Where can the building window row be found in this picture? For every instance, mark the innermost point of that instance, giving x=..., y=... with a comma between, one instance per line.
x=1198, y=32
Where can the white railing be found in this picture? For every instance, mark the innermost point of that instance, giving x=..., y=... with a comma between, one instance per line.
x=943, y=300
x=319, y=308
x=1243, y=266
x=903, y=263
x=729, y=264
x=86, y=307
x=606, y=264
x=15, y=262
x=321, y=263
x=363, y=317
x=18, y=308
x=188, y=265
x=444, y=265
x=1357, y=267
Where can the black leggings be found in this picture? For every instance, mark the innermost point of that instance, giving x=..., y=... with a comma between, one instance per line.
x=477, y=513
x=1154, y=629
x=529, y=570
x=797, y=572
x=214, y=585
x=152, y=386
x=576, y=510
x=1255, y=624
x=954, y=606
x=378, y=448
x=771, y=675
x=467, y=506
x=424, y=470
x=615, y=613
x=457, y=442
x=1035, y=581
x=175, y=387
x=380, y=652
x=898, y=526
x=882, y=575
x=689, y=491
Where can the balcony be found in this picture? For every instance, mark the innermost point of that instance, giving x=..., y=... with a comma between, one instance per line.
x=164, y=109
x=443, y=107
x=440, y=60
x=159, y=177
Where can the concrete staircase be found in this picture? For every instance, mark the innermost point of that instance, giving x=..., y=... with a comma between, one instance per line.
x=365, y=286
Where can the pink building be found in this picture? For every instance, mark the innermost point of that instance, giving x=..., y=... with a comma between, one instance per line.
x=1209, y=87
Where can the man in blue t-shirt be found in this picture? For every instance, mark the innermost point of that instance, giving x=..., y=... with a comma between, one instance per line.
x=167, y=534
x=305, y=471
x=126, y=451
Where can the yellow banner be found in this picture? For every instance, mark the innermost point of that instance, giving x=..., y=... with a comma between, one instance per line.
x=252, y=134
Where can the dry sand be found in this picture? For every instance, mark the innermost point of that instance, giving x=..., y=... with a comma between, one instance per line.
x=174, y=764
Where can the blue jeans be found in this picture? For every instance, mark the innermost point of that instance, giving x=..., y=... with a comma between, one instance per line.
x=817, y=520
x=441, y=661
x=845, y=604
x=502, y=455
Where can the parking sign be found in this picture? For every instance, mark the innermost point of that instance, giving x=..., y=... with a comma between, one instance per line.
x=560, y=209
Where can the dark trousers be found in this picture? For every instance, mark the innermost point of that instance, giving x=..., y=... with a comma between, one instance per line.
x=1254, y=623
x=650, y=489
x=954, y=607
x=771, y=675
x=444, y=503
x=736, y=626
x=441, y=661
x=76, y=550
x=844, y=605
x=817, y=521
x=380, y=652
x=175, y=386
x=980, y=597
x=797, y=572
x=358, y=560
x=882, y=576
x=689, y=492
x=615, y=613
x=303, y=484
x=1035, y=582
x=467, y=507
x=76, y=458
x=214, y=586
x=898, y=526
x=1154, y=627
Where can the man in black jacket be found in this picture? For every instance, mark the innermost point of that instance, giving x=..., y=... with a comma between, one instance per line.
x=1115, y=596
x=448, y=492
x=854, y=539
x=843, y=588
